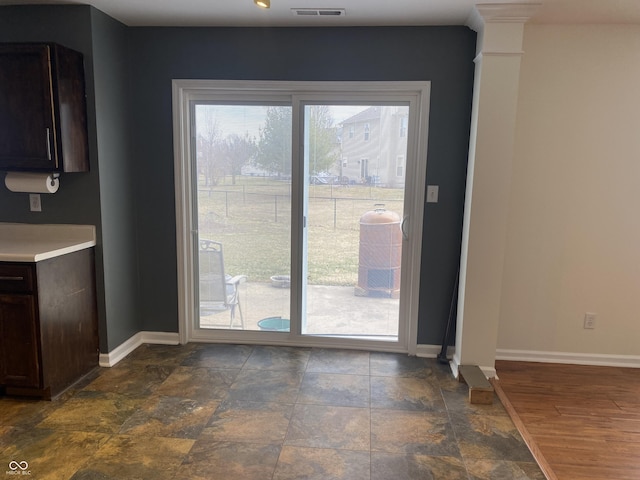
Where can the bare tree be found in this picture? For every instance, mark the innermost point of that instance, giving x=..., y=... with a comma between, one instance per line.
x=207, y=145
x=237, y=150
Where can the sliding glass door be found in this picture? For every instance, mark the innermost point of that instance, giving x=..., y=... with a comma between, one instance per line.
x=354, y=209
x=242, y=196
x=295, y=205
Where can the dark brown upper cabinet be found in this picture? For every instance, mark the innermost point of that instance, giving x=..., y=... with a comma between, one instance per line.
x=43, y=113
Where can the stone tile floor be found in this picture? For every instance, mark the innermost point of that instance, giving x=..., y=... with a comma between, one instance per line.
x=251, y=412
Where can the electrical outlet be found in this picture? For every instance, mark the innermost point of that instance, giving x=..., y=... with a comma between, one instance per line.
x=34, y=202
x=590, y=320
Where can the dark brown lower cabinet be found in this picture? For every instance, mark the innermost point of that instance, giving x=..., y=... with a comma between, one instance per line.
x=48, y=324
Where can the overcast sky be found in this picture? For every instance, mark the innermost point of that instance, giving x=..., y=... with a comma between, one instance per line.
x=241, y=119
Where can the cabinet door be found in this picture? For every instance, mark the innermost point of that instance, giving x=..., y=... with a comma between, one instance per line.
x=27, y=125
x=19, y=364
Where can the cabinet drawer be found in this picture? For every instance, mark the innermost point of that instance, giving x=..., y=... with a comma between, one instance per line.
x=16, y=278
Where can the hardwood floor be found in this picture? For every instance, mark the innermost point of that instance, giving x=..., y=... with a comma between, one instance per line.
x=581, y=422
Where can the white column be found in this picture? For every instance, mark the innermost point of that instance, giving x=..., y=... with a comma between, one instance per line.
x=500, y=30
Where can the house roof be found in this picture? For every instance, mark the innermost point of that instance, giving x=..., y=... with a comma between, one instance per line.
x=371, y=113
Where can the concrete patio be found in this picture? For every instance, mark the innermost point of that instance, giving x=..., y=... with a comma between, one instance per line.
x=331, y=310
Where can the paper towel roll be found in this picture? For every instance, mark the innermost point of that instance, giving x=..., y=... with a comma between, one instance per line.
x=31, y=182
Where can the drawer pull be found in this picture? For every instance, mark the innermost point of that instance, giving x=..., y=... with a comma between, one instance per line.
x=12, y=279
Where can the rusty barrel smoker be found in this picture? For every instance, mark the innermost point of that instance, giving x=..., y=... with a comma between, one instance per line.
x=380, y=254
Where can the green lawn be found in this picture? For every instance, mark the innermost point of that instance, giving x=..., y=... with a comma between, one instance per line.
x=252, y=220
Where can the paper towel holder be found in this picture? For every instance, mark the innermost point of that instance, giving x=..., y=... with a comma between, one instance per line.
x=32, y=182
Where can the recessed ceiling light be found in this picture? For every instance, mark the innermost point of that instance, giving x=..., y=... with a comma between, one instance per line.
x=262, y=3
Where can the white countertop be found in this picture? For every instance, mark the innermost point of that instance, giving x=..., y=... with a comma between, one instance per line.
x=22, y=242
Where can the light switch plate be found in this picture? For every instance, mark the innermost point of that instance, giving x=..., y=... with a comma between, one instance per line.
x=432, y=193
x=34, y=202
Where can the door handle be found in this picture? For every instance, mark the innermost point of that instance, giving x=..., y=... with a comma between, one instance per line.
x=403, y=227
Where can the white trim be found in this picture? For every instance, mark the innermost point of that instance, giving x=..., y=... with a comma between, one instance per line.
x=121, y=351
x=432, y=351
x=419, y=118
x=125, y=348
x=454, y=368
x=489, y=372
x=160, y=338
x=505, y=53
x=427, y=351
x=482, y=14
x=182, y=175
x=255, y=337
x=596, y=359
x=507, y=12
x=168, y=338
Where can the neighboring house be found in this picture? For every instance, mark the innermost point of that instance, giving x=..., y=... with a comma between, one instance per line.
x=374, y=146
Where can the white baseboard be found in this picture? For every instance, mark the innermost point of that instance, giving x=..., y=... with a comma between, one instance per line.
x=596, y=359
x=489, y=372
x=165, y=338
x=432, y=351
x=630, y=361
x=128, y=346
x=427, y=351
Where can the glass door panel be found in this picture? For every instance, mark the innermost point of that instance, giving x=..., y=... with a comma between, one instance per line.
x=243, y=213
x=354, y=206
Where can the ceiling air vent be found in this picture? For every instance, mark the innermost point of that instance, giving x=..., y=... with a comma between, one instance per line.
x=318, y=12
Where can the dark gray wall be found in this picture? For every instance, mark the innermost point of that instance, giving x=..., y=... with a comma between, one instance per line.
x=102, y=197
x=129, y=192
x=78, y=199
x=442, y=55
x=117, y=202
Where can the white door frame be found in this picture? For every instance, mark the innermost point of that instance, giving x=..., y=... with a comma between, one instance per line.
x=417, y=94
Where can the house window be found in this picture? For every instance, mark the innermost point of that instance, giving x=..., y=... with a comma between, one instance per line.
x=400, y=166
x=403, y=126
x=364, y=170
x=351, y=131
x=367, y=131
